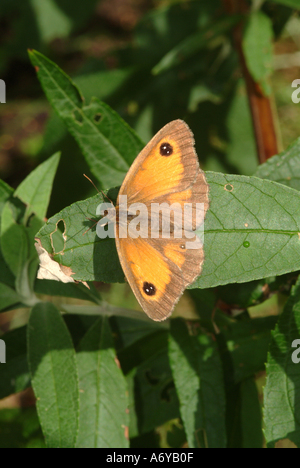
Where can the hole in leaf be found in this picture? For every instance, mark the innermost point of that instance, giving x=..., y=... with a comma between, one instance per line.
x=28, y=223
x=152, y=380
x=228, y=187
x=58, y=237
x=166, y=392
x=97, y=117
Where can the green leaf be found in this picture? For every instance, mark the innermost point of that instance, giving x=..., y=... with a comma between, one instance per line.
x=17, y=245
x=241, y=140
x=103, y=417
x=52, y=21
x=142, y=349
x=283, y=168
x=25, y=281
x=52, y=364
x=251, y=417
x=107, y=142
x=150, y=386
x=128, y=331
x=5, y=273
x=14, y=375
x=58, y=19
x=35, y=190
x=251, y=230
x=20, y=428
x=194, y=43
x=289, y=3
x=5, y=192
x=258, y=49
x=243, y=295
x=198, y=378
x=244, y=344
x=111, y=81
x=162, y=28
x=14, y=239
x=282, y=390
x=18, y=226
x=57, y=288
x=8, y=297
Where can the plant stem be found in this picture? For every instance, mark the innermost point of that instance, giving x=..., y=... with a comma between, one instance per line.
x=261, y=106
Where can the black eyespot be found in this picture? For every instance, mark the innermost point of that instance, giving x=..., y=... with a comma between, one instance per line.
x=166, y=149
x=182, y=246
x=149, y=289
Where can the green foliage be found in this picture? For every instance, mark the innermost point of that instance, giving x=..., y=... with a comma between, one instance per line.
x=289, y=3
x=104, y=375
x=257, y=46
x=53, y=371
x=283, y=376
x=197, y=372
x=93, y=126
x=103, y=420
x=35, y=24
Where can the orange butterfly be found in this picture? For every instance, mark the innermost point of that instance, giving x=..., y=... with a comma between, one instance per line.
x=159, y=269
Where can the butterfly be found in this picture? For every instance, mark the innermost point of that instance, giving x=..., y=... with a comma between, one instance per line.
x=165, y=173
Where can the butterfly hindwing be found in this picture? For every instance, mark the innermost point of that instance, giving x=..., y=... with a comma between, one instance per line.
x=158, y=276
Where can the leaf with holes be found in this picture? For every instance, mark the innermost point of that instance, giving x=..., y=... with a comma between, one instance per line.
x=80, y=249
x=252, y=231
x=107, y=142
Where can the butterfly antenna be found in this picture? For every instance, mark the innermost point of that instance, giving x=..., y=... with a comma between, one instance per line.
x=87, y=230
x=91, y=182
x=103, y=194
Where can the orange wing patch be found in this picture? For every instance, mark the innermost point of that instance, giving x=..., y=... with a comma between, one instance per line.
x=180, y=197
x=174, y=252
x=147, y=266
x=159, y=174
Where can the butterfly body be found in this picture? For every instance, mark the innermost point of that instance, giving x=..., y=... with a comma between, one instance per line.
x=166, y=173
